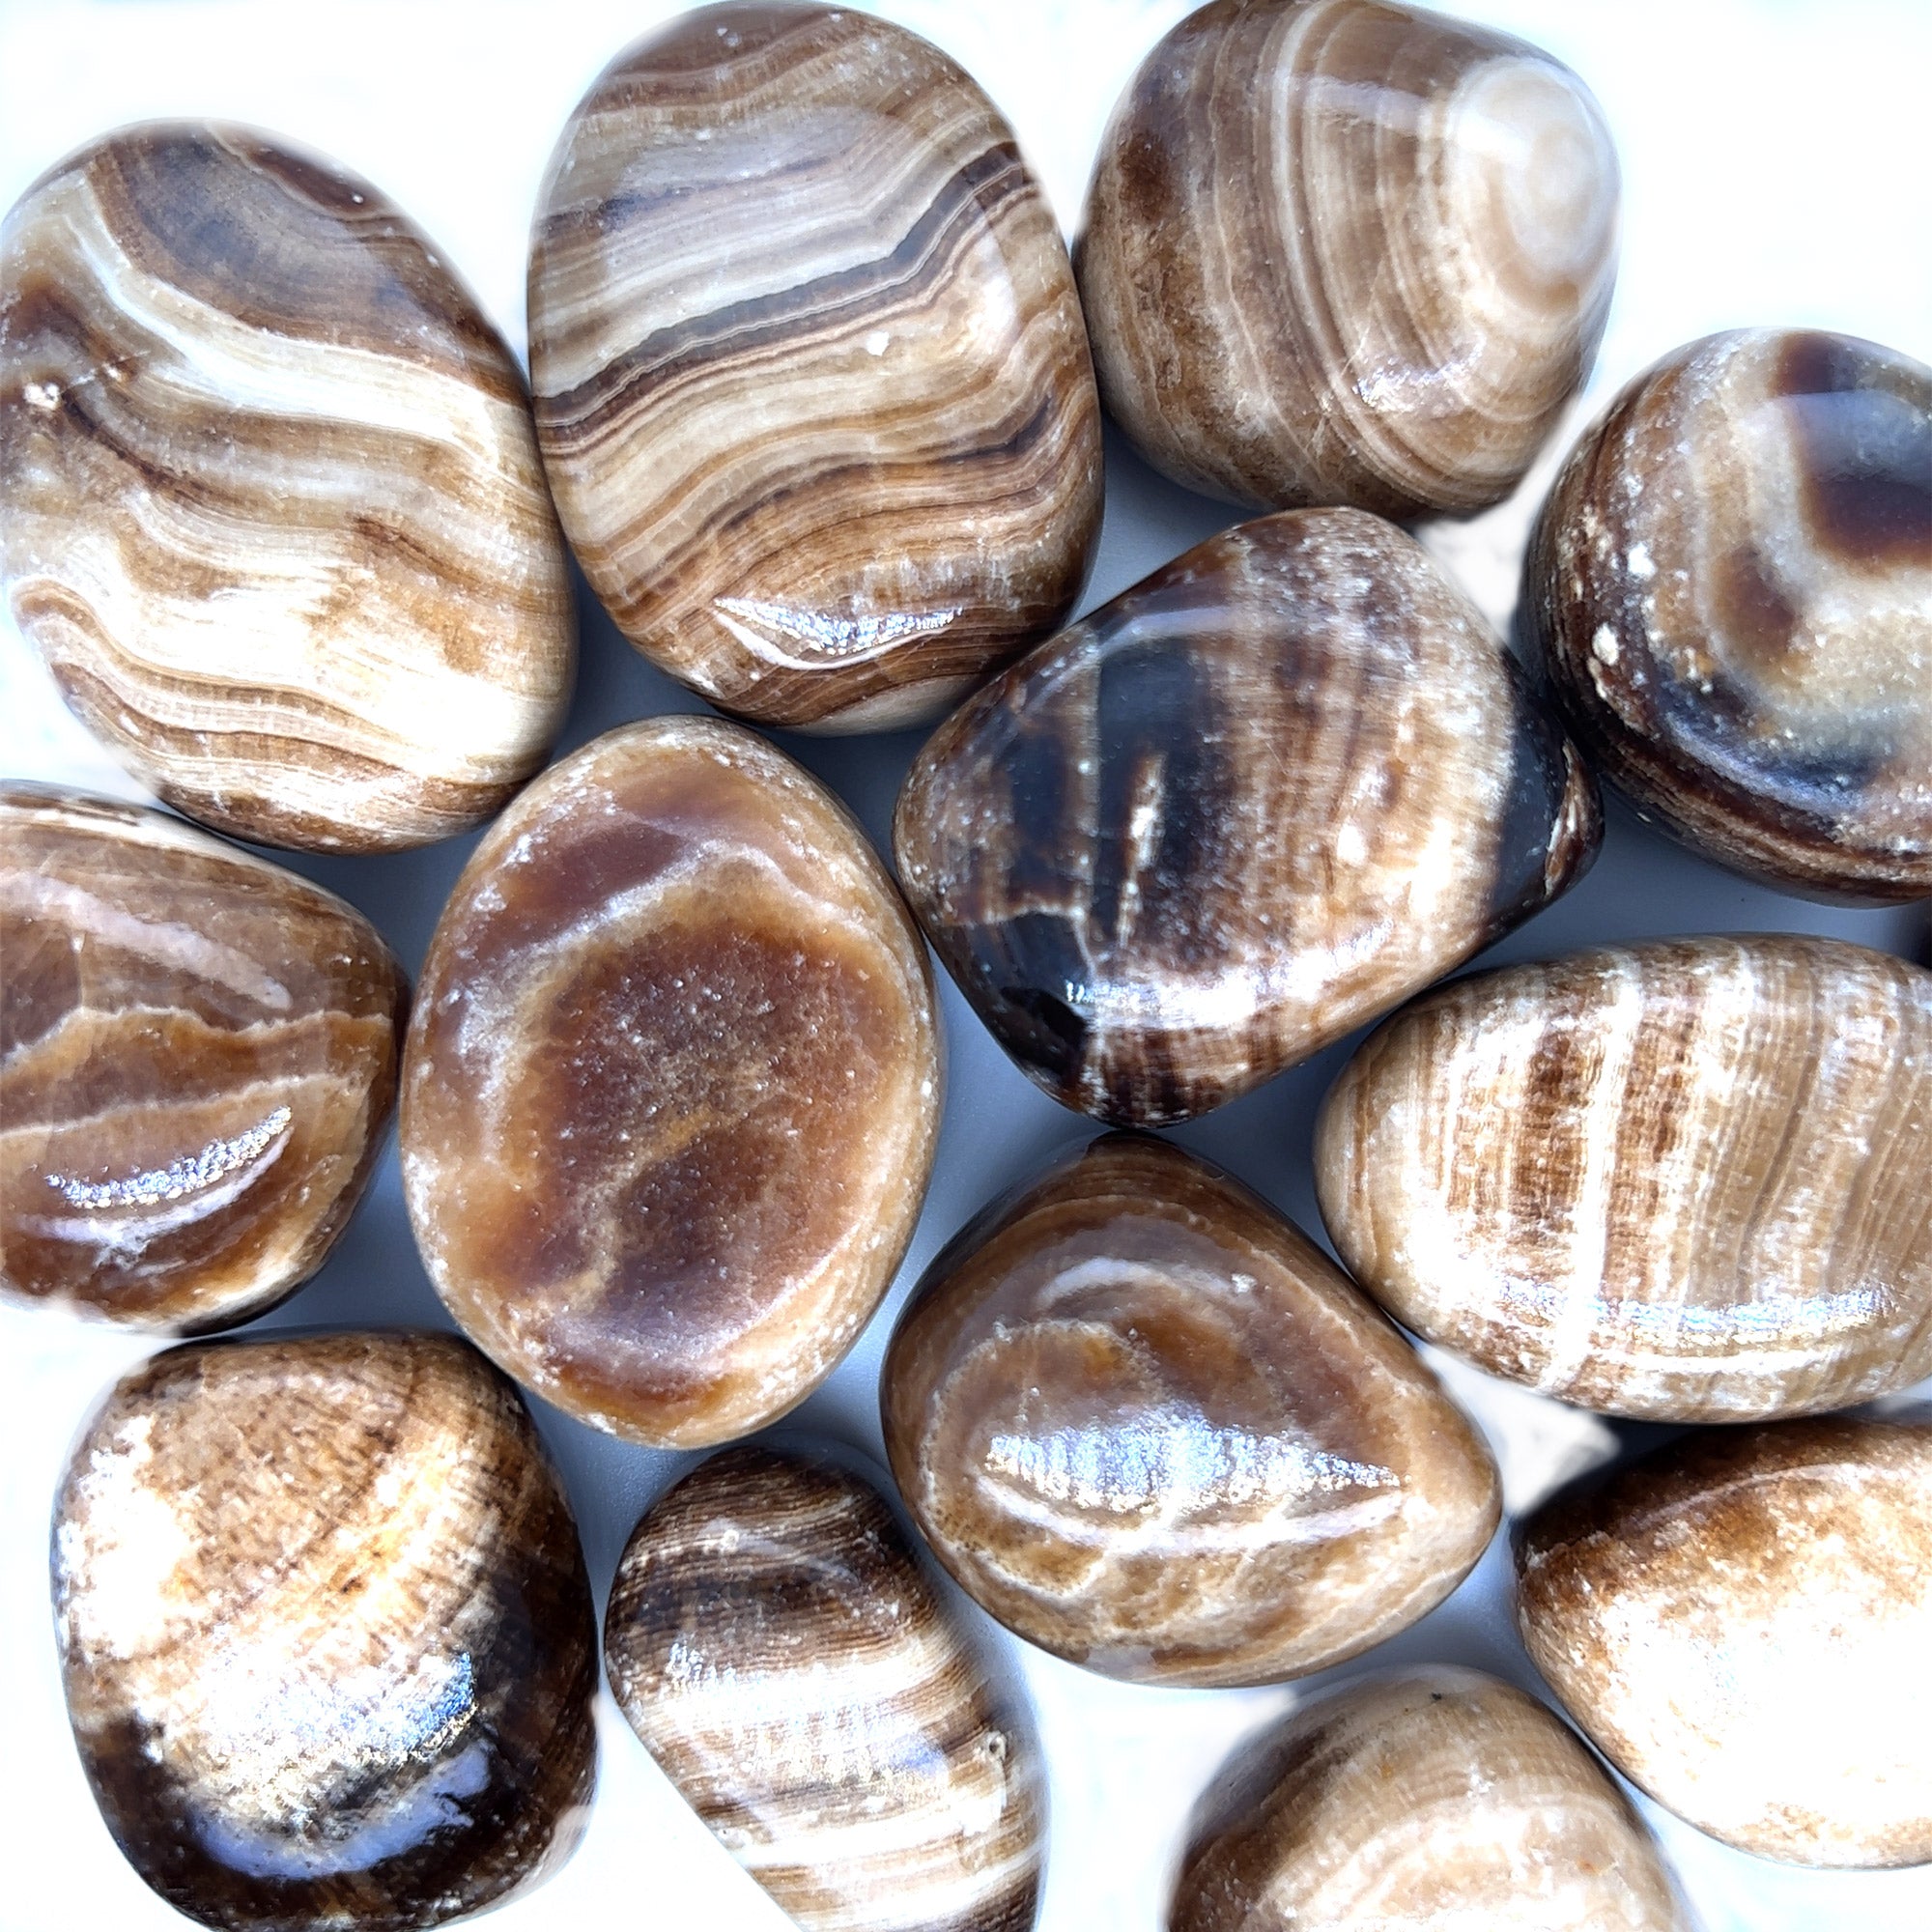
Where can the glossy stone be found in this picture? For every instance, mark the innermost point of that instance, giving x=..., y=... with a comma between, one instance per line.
x=811, y=380
x=276, y=517
x=783, y=1655
x=1420, y=1801
x=673, y=1087
x=1741, y=1623
x=1150, y=1427
x=1731, y=583
x=1689, y=1181
x=197, y=1060
x=327, y=1641
x=1279, y=785
x=1339, y=251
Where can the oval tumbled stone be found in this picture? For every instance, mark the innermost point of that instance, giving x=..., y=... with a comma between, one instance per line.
x=197, y=1060
x=1689, y=1181
x=812, y=380
x=1150, y=1427
x=1421, y=1800
x=328, y=1640
x=1276, y=787
x=673, y=1087
x=789, y=1661
x=276, y=517
x=1741, y=1623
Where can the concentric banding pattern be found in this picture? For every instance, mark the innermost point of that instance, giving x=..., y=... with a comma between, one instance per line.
x=198, y=1056
x=276, y=515
x=1689, y=1181
x=811, y=378
x=778, y=1646
x=1344, y=251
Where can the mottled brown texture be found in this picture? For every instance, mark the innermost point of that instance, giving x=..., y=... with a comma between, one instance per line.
x=1149, y=1426
x=1276, y=787
x=328, y=1640
x=811, y=380
x=276, y=517
x=1421, y=1800
x=1689, y=1181
x=197, y=1062
x=784, y=1653
x=1731, y=585
x=673, y=1087
x=1339, y=251
x=1741, y=1622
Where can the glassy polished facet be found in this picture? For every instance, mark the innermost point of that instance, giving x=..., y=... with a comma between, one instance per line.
x=197, y=1060
x=812, y=380
x=328, y=1644
x=1276, y=787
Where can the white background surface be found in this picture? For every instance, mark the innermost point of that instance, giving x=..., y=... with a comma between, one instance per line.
x=1775, y=171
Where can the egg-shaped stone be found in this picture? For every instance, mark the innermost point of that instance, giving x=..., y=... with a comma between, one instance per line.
x=1740, y=1622
x=1689, y=1181
x=800, y=1676
x=276, y=515
x=1341, y=252
x=673, y=1087
x=326, y=1634
x=1431, y=1799
x=198, y=1057
x=1262, y=797
x=1731, y=585
x=1150, y=1427
x=812, y=380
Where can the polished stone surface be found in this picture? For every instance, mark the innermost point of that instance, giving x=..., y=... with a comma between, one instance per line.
x=1339, y=251
x=785, y=1657
x=672, y=1087
x=1149, y=1426
x=1739, y=1623
x=1689, y=1179
x=1270, y=791
x=1731, y=583
x=1429, y=1800
x=811, y=380
x=327, y=1641
x=276, y=517
x=197, y=1062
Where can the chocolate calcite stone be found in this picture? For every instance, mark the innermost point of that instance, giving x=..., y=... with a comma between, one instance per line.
x=1339, y=251
x=327, y=1641
x=785, y=1657
x=1689, y=1181
x=1731, y=585
x=1740, y=1622
x=1150, y=1427
x=1262, y=797
x=672, y=1089
x=276, y=517
x=812, y=380
x=1421, y=1800
x=197, y=1060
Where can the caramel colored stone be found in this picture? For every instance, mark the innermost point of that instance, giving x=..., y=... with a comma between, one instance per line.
x=812, y=380
x=785, y=1657
x=326, y=1637
x=1689, y=1181
x=1731, y=585
x=1421, y=1800
x=1149, y=1426
x=197, y=1060
x=1272, y=790
x=1740, y=1622
x=274, y=513
x=672, y=1087
x=1339, y=251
